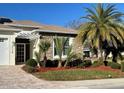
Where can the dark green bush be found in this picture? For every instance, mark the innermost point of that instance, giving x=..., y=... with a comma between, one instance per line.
x=31, y=63
x=122, y=66
x=29, y=69
x=85, y=63
x=97, y=63
x=75, y=62
x=50, y=63
x=41, y=63
x=105, y=63
x=109, y=63
x=81, y=65
x=115, y=65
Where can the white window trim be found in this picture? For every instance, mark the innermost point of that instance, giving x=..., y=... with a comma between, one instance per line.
x=63, y=56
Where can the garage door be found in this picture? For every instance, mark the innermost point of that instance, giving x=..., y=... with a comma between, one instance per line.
x=4, y=51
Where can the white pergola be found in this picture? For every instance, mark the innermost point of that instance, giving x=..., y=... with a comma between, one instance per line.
x=28, y=35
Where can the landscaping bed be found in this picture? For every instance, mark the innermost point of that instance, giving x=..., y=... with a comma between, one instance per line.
x=63, y=74
x=84, y=71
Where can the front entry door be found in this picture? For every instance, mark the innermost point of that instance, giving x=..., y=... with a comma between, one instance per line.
x=20, y=53
x=22, y=50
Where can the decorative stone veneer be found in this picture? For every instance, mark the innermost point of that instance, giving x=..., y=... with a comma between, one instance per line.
x=76, y=45
x=50, y=51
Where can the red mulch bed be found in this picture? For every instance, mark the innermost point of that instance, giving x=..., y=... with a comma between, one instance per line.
x=103, y=68
x=42, y=69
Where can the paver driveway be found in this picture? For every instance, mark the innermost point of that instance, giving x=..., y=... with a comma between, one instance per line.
x=14, y=77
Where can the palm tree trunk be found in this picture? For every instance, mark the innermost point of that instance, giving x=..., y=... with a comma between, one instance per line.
x=60, y=64
x=60, y=61
x=45, y=59
x=65, y=63
x=100, y=54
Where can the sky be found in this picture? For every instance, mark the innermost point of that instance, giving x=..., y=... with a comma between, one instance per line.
x=51, y=14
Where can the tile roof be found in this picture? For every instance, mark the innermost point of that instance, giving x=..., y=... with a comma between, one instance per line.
x=30, y=24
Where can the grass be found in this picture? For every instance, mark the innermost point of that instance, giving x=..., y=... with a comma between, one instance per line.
x=77, y=74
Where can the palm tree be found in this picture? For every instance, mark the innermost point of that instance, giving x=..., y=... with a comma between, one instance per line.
x=44, y=47
x=38, y=57
x=103, y=24
x=59, y=44
x=70, y=56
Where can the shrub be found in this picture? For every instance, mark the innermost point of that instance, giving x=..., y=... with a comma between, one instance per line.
x=31, y=63
x=109, y=63
x=50, y=63
x=105, y=63
x=122, y=66
x=75, y=62
x=29, y=69
x=81, y=65
x=85, y=63
x=97, y=63
x=41, y=63
x=55, y=63
x=115, y=65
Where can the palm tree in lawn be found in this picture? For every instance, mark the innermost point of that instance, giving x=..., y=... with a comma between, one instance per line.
x=38, y=57
x=59, y=44
x=44, y=47
x=103, y=24
x=70, y=55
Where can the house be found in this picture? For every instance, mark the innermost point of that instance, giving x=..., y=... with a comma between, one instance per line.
x=19, y=40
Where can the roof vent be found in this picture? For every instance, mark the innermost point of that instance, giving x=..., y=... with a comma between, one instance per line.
x=5, y=20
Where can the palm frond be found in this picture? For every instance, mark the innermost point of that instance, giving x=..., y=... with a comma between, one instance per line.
x=104, y=24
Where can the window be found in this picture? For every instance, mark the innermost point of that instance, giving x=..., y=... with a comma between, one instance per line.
x=66, y=45
x=55, y=52
x=2, y=39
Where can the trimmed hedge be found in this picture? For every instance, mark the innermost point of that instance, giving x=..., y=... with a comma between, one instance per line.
x=75, y=62
x=122, y=66
x=29, y=69
x=54, y=63
x=85, y=63
x=81, y=65
x=115, y=65
x=109, y=63
x=31, y=63
x=105, y=63
x=97, y=63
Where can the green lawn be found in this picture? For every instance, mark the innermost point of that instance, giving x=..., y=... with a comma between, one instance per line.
x=76, y=75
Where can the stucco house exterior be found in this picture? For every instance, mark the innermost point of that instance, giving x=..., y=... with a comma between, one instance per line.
x=19, y=40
